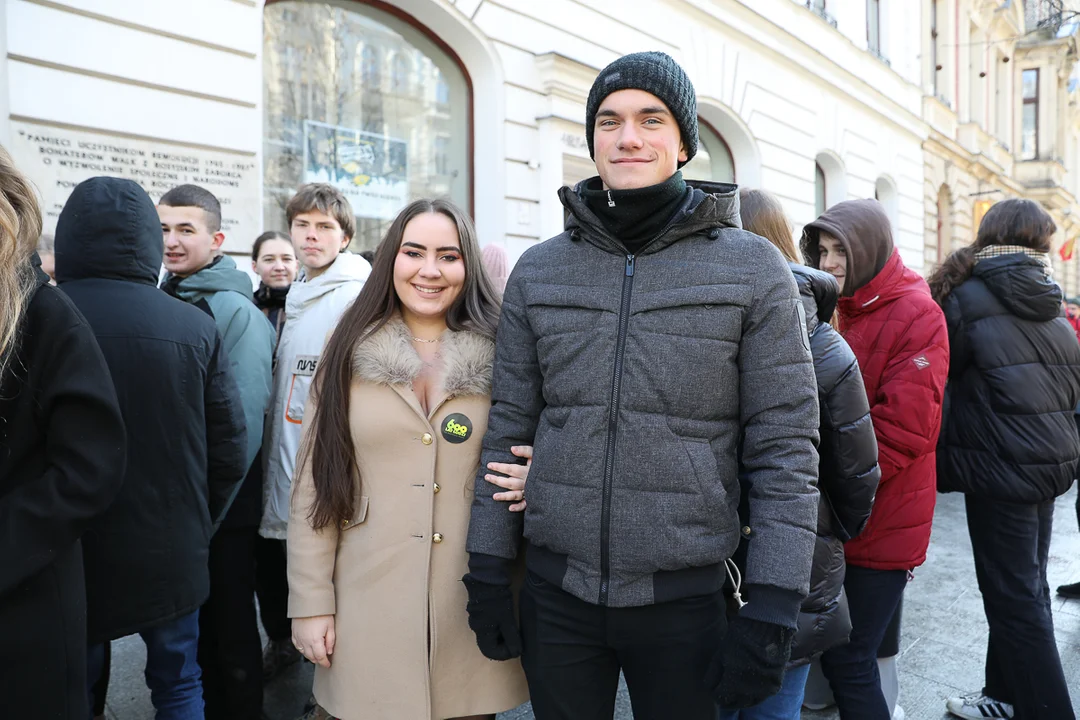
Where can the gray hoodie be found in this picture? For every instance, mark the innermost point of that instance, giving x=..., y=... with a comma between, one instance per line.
x=643, y=381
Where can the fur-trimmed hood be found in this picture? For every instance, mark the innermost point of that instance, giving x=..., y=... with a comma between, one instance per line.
x=388, y=358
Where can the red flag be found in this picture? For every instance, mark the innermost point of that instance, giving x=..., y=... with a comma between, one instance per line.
x=1067, y=248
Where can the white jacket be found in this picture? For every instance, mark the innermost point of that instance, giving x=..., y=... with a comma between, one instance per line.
x=312, y=310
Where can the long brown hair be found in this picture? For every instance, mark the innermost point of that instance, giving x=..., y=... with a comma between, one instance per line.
x=20, y=227
x=762, y=214
x=328, y=444
x=1009, y=222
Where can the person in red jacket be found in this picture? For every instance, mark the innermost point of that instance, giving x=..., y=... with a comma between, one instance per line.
x=1072, y=312
x=899, y=336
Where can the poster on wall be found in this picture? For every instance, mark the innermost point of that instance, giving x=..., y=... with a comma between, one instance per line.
x=57, y=159
x=371, y=170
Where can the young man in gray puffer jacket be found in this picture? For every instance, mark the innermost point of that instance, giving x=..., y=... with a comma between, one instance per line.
x=647, y=353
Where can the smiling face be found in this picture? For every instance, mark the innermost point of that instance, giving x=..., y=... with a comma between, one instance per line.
x=636, y=141
x=833, y=259
x=189, y=244
x=429, y=271
x=318, y=240
x=276, y=265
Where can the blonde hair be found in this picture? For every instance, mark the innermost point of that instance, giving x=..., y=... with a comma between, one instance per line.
x=20, y=227
x=762, y=214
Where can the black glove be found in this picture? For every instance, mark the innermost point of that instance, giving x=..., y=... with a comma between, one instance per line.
x=491, y=617
x=749, y=666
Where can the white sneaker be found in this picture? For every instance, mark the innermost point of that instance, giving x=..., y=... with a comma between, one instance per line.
x=977, y=706
x=816, y=706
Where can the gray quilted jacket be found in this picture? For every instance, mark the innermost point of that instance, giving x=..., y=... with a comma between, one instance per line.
x=642, y=381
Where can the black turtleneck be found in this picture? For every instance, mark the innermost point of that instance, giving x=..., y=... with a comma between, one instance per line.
x=634, y=217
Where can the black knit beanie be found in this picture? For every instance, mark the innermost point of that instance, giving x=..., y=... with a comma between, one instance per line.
x=656, y=73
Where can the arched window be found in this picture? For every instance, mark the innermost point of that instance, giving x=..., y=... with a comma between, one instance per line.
x=885, y=193
x=326, y=122
x=819, y=190
x=402, y=69
x=713, y=160
x=369, y=68
x=830, y=181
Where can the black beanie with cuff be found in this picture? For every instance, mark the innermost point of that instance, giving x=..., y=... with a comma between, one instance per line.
x=656, y=73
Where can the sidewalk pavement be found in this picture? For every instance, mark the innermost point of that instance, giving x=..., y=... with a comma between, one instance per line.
x=943, y=638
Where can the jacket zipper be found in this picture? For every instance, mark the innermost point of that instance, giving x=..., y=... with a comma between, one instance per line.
x=613, y=426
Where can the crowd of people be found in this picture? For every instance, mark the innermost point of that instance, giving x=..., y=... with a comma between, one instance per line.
x=673, y=443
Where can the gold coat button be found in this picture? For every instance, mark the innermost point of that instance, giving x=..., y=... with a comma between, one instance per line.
x=436, y=538
x=746, y=530
x=426, y=439
x=437, y=488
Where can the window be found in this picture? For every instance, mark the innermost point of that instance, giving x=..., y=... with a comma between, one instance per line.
x=886, y=194
x=369, y=68
x=873, y=26
x=1001, y=94
x=328, y=118
x=819, y=190
x=1029, y=134
x=399, y=80
x=821, y=9
x=934, y=46
x=713, y=160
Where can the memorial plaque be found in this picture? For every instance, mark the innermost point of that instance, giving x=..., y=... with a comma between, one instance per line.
x=57, y=160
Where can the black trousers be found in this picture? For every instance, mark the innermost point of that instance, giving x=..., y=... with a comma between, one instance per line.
x=852, y=669
x=573, y=651
x=272, y=586
x=1011, y=544
x=230, y=650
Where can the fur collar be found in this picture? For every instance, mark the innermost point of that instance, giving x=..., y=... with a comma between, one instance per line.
x=387, y=358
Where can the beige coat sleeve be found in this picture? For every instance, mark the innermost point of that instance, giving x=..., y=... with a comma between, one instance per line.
x=312, y=553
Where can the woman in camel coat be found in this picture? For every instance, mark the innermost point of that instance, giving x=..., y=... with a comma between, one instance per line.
x=401, y=407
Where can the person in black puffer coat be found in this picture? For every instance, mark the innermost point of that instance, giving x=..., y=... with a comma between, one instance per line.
x=147, y=557
x=848, y=472
x=1008, y=443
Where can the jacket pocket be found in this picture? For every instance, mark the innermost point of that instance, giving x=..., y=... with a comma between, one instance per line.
x=359, y=515
x=297, y=399
x=716, y=507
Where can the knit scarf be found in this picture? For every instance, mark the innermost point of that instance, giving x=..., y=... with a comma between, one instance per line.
x=634, y=217
x=993, y=251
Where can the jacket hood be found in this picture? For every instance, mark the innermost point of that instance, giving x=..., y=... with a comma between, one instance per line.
x=109, y=229
x=1021, y=284
x=863, y=228
x=220, y=276
x=819, y=293
x=348, y=268
x=710, y=206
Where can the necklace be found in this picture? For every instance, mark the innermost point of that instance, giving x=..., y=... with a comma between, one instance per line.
x=422, y=340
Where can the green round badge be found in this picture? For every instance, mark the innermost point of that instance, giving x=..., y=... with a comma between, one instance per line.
x=457, y=428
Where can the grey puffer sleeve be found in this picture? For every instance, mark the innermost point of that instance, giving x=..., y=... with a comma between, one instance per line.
x=779, y=416
x=516, y=403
